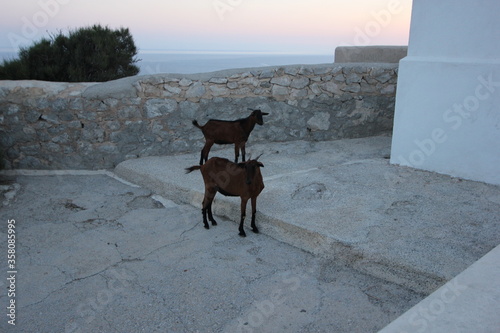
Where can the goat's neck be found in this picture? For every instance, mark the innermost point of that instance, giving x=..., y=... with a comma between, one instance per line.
x=248, y=124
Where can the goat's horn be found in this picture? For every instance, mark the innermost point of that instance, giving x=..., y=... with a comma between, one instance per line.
x=259, y=156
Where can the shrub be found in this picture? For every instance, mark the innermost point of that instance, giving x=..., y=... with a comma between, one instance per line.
x=92, y=54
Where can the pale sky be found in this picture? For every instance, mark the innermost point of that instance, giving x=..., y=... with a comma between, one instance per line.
x=288, y=26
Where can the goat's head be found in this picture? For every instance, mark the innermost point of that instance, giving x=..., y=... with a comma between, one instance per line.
x=250, y=169
x=258, y=116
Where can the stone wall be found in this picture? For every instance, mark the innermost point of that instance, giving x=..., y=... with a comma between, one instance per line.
x=47, y=125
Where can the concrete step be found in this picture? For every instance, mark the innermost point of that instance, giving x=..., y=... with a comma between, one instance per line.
x=467, y=303
x=343, y=200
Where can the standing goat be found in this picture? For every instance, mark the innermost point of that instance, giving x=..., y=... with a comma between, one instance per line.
x=229, y=131
x=230, y=179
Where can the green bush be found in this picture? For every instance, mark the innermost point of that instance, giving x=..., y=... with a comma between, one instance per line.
x=93, y=54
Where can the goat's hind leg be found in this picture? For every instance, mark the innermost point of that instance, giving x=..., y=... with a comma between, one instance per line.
x=254, y=210
x=205, y=151
x=243, y=210
x=237, y=147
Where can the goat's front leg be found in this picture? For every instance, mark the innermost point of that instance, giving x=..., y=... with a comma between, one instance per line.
x=254, y=210
x=242, y=146
x=236, y=151
x=210, y=216
x=207, y=206
x=204, y=213
x=243, y=211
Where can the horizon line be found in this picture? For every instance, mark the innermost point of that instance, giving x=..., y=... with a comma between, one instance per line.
x=167, y=51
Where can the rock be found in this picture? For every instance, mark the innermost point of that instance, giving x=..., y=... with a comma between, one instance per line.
x=384, y=77
x=172, y=90
x=279, y=91
x=331, y=87
x=316, y=89
x=314, y=191
x=298, y=93
x=158, y=107
x=322, y=70
x=266, y=74
x=300, y=83
x=388, y=90
x=319, y=122
x=283, y=81
x=352, y=78
x=218, y=80
x=196, y=90
x=291, y=70
x=354, y=88
x=185, y=82
x=219, y=91
x=251, y=81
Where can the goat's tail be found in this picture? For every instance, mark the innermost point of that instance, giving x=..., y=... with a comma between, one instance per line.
x=194, y=167
x=195, y=123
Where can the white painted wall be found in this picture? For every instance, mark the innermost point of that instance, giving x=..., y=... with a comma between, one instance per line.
x=448, y=99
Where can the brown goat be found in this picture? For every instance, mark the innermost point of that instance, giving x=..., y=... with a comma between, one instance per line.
x=230, y=179
x=229, y=131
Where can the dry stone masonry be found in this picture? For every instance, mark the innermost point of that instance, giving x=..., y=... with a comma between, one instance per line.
x=45, y=125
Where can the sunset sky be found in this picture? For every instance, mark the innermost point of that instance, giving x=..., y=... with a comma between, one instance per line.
x=288, y=26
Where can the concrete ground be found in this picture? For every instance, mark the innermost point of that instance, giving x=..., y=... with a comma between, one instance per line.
x=98, y=255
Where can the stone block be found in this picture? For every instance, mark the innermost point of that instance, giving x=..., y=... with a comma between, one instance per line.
x=266, y=74
x=185, y=82
x=197, y=90
x=172, y=90
x=331, y=87
x=218, y=80
x=278, y=90
x=159, y=107
x=250, y=81
x=298, y=93
x=219, y=90
x=299, y=83
x=353, y=78
x=283, y=81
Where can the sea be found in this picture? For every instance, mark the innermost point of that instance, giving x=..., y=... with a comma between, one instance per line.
x=190, y=62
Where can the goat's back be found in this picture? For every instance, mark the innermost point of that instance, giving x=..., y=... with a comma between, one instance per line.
x=231, y=177
x=224, y=131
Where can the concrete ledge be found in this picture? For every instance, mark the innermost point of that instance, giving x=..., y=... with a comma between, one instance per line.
x=370, y=54
x=470, y=302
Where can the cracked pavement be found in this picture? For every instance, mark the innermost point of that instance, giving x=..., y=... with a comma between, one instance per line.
x=98, y=255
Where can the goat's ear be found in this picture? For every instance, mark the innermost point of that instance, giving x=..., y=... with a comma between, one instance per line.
x=265, y=113
x=260, y=164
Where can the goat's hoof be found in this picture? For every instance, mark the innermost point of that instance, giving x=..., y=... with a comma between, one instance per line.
x=255, y=230
x=206, y=226
x=242, y=234
x=214, y=223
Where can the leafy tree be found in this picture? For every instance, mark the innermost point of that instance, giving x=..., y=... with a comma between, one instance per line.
x=92, y=54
